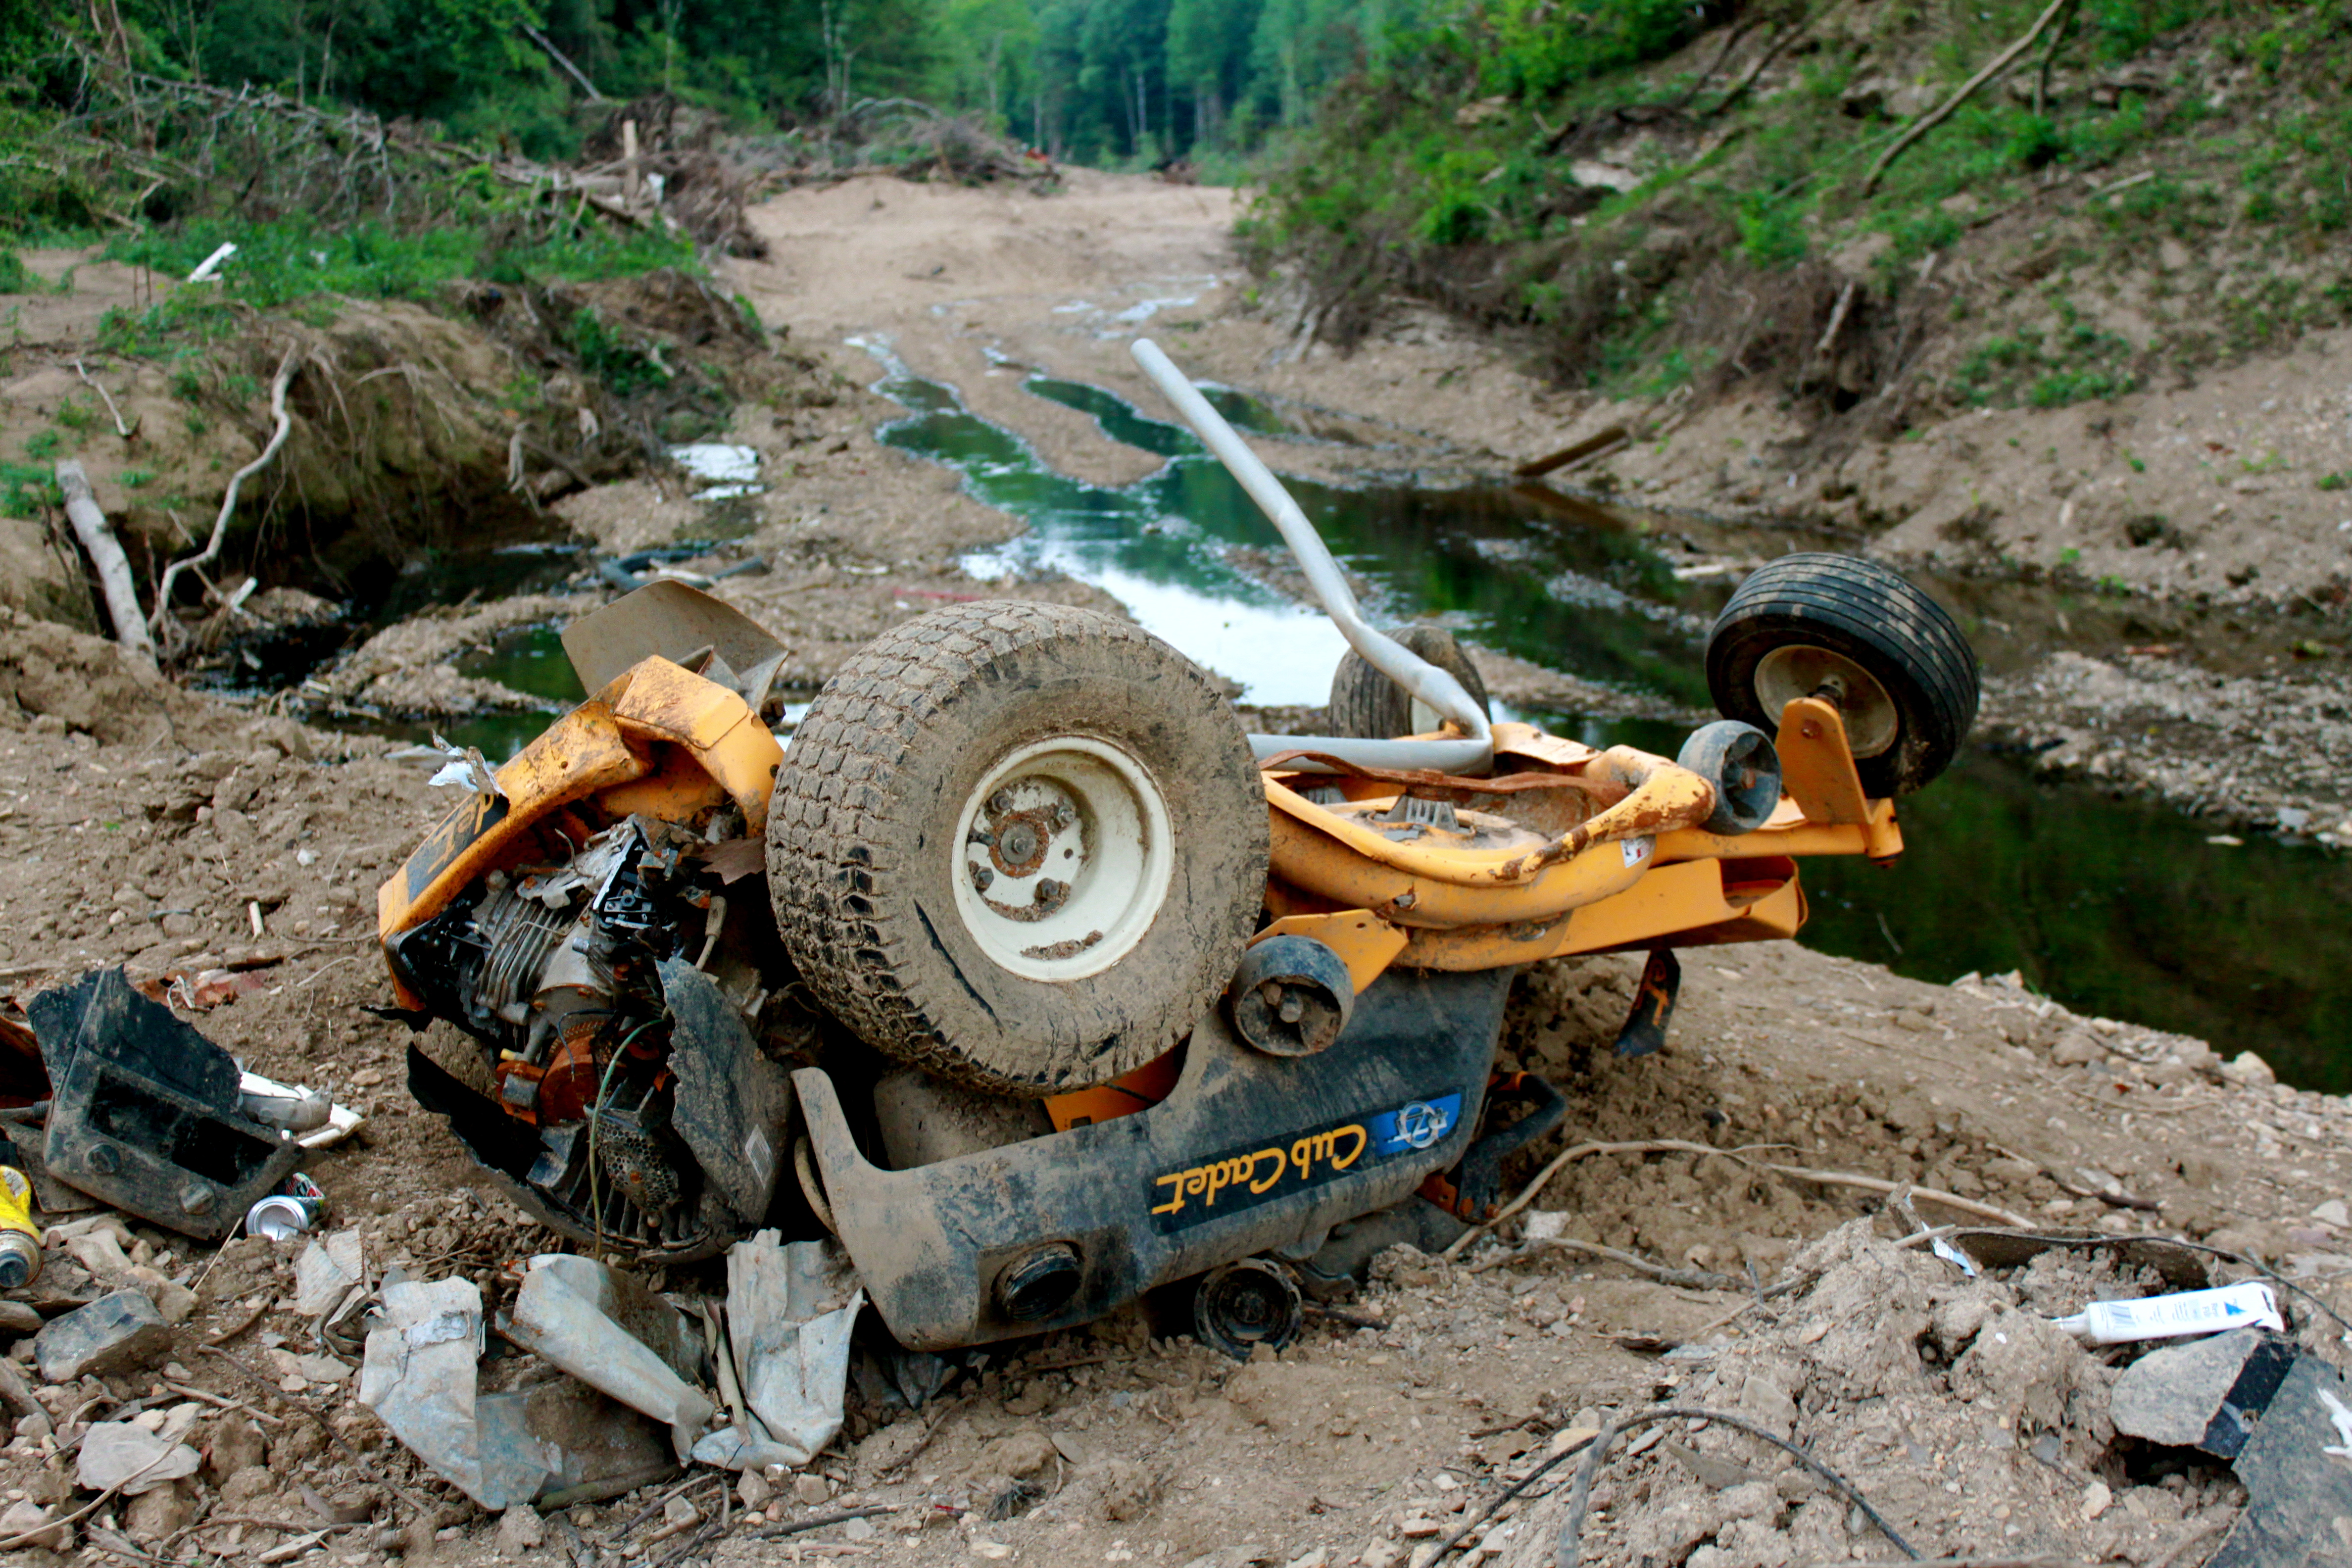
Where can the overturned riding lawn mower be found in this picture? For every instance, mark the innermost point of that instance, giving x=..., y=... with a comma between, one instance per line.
x=1062, y=988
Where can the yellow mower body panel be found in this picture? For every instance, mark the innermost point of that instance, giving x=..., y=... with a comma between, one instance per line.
x=658, y=740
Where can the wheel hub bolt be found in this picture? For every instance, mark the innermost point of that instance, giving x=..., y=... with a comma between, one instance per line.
x=1000, y=801
x=1063, y=814
x=981, y=876
x=1019, y=841
x=1049, y=891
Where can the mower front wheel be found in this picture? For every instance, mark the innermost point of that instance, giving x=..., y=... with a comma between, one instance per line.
x=1018, y=846
x=1879, y=649
x=1367, y=705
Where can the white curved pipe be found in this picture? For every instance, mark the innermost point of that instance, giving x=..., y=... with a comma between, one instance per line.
x=1382, y=652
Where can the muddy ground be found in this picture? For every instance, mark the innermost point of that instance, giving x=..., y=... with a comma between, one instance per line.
x=143, y=826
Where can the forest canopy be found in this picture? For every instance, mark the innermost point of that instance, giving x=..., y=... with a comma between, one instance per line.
x=1103, y=81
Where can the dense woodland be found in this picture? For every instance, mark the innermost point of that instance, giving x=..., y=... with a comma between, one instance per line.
x=1105, y=81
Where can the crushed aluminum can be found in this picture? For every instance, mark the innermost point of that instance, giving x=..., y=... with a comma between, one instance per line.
x=289, y=1211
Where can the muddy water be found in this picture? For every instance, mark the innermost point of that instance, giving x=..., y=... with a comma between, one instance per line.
x=2113, y=907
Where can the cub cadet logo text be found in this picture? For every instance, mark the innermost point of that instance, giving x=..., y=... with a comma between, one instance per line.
x=1258, y=1172
x=1242, y=1178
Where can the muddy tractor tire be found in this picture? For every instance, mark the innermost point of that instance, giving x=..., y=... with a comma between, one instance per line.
x=1018, y=846
x=1367, y=705
x=1901, y=674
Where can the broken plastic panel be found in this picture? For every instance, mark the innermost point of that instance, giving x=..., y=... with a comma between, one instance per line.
x=147, y=1114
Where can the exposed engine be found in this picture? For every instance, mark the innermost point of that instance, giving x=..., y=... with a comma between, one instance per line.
x=556, y=971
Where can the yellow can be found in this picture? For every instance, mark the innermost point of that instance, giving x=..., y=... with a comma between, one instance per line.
x=20, y=1238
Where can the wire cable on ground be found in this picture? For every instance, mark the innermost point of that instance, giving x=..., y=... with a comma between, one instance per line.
x=1581, y=1499
x=1514, y=1489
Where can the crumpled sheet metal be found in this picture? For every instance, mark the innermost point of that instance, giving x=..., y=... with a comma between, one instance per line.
x=504, y=1448
x=571, y=1311
x=790, y=1310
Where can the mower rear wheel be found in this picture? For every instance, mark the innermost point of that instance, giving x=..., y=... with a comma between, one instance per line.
x=1901, y=674
x=1018, y=846
x=1367, y=705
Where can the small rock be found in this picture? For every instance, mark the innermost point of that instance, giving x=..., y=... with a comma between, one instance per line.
x=2077, y=1047
x=153, y=1515
x=175, y=1301
x=248, y=1485
x=117, y=1453
x=521, y=1530
x=858, y=1529
x=18, y=1318
x=117, y=1332
x=323, y=1368
x=2333, y=1211
x=678, y=1514
x=236, y=1444
x=810, y=1489
x=1381, y=1554
x=751, y=1490
x=990, y=1550
x=2249, y=1069
x=101, y=1252
x=31, y=1520
x=1017, y=1455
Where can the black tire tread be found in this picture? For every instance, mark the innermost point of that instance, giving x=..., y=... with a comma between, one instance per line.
x=1367, y=705
x=834, y=830
x=1875, y=608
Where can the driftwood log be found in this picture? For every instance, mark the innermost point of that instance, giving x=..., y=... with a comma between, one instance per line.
x=115, y=583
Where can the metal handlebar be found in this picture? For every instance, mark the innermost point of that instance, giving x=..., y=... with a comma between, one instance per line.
x=1423, y=679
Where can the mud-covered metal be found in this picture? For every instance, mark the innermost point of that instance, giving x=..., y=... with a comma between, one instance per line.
x=1248, y=1153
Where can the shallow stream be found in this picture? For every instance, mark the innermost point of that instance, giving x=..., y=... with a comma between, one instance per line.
x=2114, y=907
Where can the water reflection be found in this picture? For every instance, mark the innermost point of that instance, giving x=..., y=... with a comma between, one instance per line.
x=2113, y=907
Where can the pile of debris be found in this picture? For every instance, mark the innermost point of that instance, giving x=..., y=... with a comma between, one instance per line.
x=1983, y=1395
x=594, y=1385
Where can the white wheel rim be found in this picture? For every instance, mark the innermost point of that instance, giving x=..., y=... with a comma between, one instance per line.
x=1872, y=721
x=1063, y=858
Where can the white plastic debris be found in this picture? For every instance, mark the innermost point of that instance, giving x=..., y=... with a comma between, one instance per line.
x=419, y=1380
x=300, y=1113
x=505, y=1448
x=724, y=471
x=2250, y=1304
x=326, y=1272
x=466, y=769
x=790, y=1310
x=208, y=269
x=569, y=1311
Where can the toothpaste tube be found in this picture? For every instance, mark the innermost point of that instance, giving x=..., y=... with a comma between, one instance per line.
x=2248, y=1305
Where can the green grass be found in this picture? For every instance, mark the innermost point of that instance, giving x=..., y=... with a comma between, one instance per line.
x=299, y=268
x=24, y=490
x=1391, y=191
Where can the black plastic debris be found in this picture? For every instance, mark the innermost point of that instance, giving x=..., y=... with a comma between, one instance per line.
x=145, y=1113
x=2282, y=1417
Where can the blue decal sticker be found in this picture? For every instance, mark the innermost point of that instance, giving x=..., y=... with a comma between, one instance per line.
x=1416, y=1125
